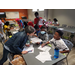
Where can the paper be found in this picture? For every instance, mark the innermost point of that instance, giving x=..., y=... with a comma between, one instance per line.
x=60, y=28
x=29, y=49
x=35, y=40
x=43, y=56
x=15, y=32
x=45, y=48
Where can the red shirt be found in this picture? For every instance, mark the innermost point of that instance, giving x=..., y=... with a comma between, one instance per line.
x=36, y=20
x=31, y=24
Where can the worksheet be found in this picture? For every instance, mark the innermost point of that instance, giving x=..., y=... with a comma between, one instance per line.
x=43, y=56
x=45, y=48
x=30, y=49
x=35, y=40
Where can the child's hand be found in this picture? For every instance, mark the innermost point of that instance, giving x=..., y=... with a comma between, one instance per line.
x=24, y=52
x=38, y=43
x=42, y=45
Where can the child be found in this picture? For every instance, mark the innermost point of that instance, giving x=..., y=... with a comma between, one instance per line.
x=58, y=42
x=38, y=20
x=43, y=35
x=37, y=30
x=20, y=23
x=30, y=23
x=55, y=22
x=6, y=29
x=49, y=22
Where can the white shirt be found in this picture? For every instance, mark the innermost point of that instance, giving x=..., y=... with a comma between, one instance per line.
x=60, y=44
x=55, y=22
x=41, y=22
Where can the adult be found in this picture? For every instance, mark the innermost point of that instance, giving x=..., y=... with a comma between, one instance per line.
x=16, y=43
x=38, y=20
x=20, y=23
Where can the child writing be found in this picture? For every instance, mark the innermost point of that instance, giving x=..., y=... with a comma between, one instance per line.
x=43, y=35
x=58, y=42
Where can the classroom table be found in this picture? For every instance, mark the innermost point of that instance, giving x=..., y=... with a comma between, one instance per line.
x=15, y=30
x=31, y=60
x=71, y=30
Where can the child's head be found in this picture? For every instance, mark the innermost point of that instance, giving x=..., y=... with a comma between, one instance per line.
x=55, y=20
x=7, y=23
x=17, y=19
x=37, y=28
x=49, y=19
x=43, y=28
x=58, y=34
x=36, y=14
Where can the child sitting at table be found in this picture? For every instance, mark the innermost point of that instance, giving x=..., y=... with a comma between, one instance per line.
x=43, y=35
x=58, y=42
x=37, y=30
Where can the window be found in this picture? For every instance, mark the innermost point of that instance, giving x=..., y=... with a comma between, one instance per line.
x=34, y=10
x=41, y=9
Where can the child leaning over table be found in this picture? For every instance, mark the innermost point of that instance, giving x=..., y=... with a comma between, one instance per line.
x=58, y=42
x=42, y=35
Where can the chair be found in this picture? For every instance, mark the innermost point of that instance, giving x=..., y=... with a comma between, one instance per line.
x=50, y=36
x=70, y=45
x=64, y=25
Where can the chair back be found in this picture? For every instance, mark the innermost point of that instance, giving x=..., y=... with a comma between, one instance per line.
x=68, y=43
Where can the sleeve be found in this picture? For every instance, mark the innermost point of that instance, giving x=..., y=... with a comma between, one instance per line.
x=5, y=26
x=63, y=46
x=51, y=40
x=56, y=22
x=35, y=22
x=17, y=44
x=46, y=38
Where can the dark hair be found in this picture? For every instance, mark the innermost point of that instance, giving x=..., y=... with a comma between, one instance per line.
x=59, y=32
x=36, y=13
x=25, y=24
x=6, y=23
x=55, y=19
x=36, y=27
x=43, y=27
x=29, y=29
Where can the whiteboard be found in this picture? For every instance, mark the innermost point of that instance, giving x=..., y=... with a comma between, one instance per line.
x=12, y=15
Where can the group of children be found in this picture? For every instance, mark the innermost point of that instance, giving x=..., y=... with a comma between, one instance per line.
x=17, y=41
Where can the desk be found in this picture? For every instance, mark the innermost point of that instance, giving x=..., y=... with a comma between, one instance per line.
x=71, y=30
x=31, y=60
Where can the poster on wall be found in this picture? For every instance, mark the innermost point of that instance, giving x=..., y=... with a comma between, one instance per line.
x=12, y=15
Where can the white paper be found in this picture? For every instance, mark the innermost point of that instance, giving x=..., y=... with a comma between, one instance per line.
x=45, y=48
x=43, y=56
x=29, y=49
x=15, y=32
x=35, y=40
x=41, y=22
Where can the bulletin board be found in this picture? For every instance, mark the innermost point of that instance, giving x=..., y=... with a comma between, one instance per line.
x=12, y=15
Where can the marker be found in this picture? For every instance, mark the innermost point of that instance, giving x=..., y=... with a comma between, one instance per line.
x=30, y=51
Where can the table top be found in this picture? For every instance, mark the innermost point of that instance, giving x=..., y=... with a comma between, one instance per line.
x=72, y=30
x=31, y=60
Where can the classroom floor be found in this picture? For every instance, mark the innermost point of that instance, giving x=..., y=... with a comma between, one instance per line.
x=71, y=57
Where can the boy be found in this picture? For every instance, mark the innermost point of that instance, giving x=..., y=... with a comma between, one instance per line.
x=43, y=35
x=37, y=30
x=38, y=20
x=58, y=42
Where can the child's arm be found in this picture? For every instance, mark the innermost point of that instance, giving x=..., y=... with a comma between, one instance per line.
x=65, y=51
x=45, y=43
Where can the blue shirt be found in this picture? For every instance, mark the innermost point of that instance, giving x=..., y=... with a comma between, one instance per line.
x=37, y=32
x=16, y=42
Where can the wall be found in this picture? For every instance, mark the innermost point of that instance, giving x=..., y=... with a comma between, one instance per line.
x=50, y=14
x=22, y=12
x=42, y=14
x=65, y=16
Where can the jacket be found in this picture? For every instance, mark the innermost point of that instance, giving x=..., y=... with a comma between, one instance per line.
x=16, y=42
